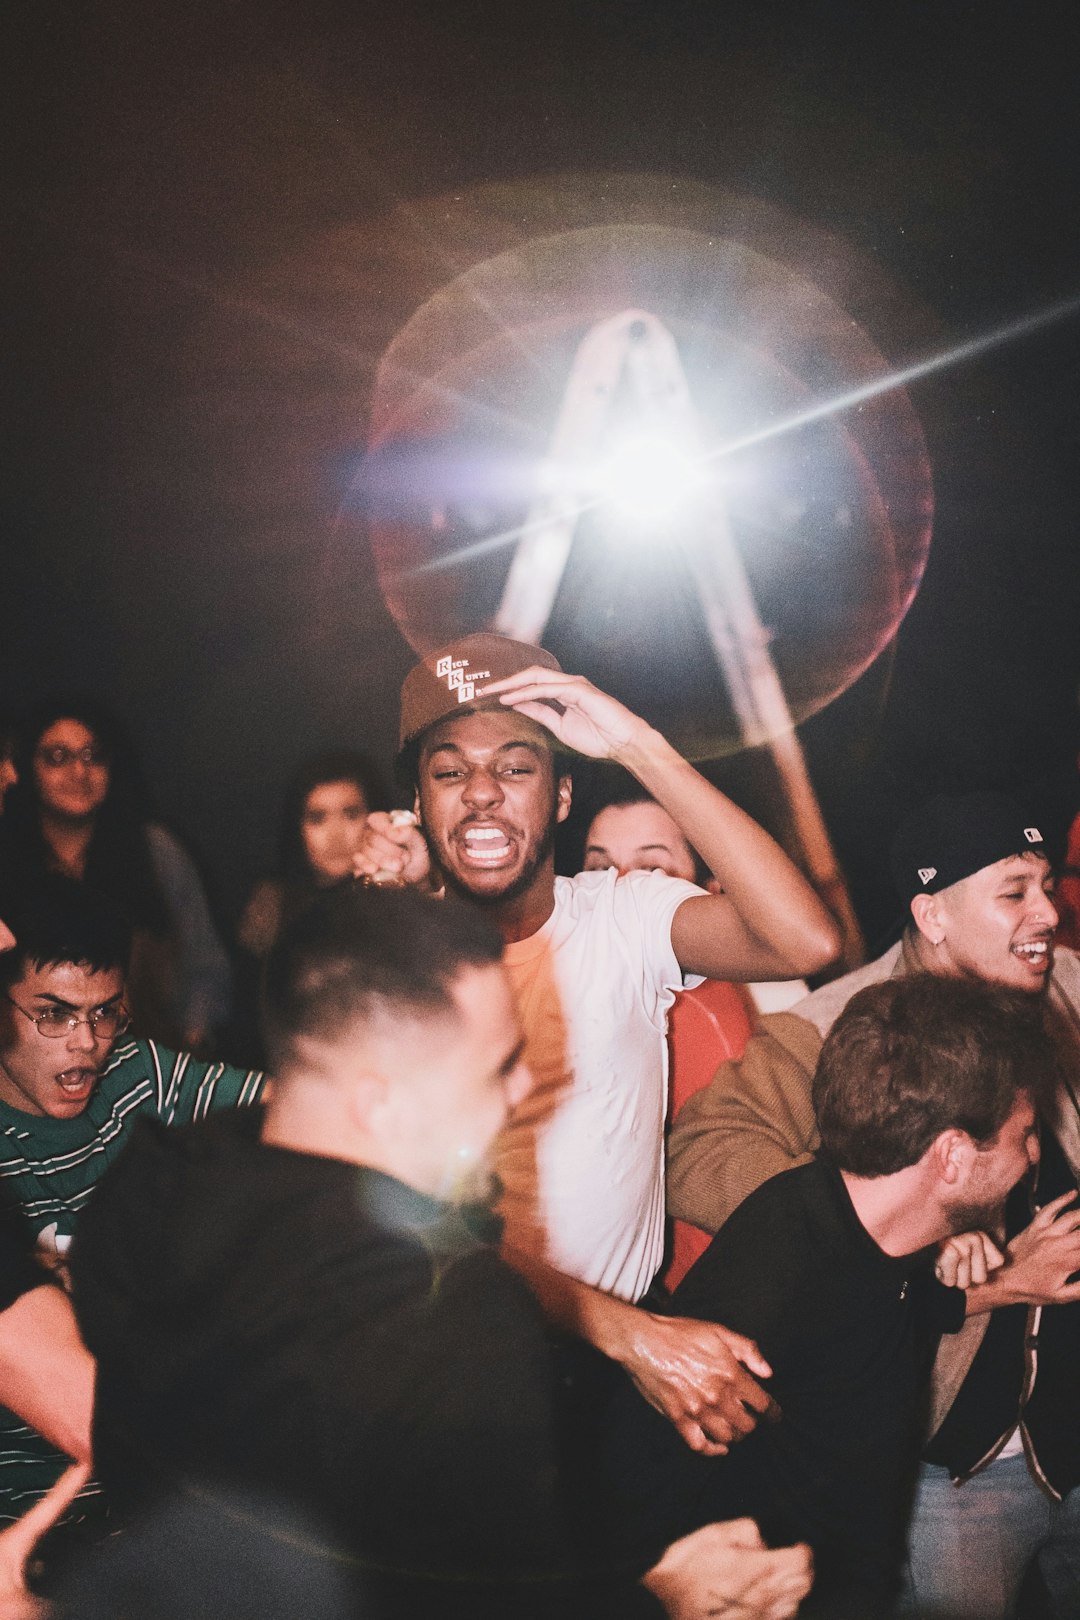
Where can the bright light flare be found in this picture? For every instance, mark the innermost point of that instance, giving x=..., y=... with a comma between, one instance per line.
x=648, y=479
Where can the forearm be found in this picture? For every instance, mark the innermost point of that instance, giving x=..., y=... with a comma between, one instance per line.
x=46, y=1372
x=772, y=898
x=576, y=1308
x=987, y=1296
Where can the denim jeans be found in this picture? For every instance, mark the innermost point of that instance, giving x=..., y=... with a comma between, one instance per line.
x=971, y=1544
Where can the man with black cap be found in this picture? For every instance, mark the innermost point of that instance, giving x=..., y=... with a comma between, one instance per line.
x=595, y=962
x=975, y=877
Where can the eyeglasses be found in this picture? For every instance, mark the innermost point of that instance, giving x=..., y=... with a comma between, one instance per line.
x=54, y=1023
x=59, y=756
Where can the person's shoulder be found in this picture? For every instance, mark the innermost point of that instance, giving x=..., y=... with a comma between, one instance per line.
x=1066, y=974
x=131, y=1058
x=606, y=893
x=823, y=1007
x=768, y=1247
x=788, y=1195
x=135, y=1055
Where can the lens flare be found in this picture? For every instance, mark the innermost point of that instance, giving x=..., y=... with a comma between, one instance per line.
x=648, y=480
x=831, y=514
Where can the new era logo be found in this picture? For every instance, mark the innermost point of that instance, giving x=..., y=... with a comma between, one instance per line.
x=1033, y=835
x=926, y=873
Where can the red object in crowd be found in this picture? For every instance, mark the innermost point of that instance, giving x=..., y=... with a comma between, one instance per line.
x=707, y=1026
x=1067, y=895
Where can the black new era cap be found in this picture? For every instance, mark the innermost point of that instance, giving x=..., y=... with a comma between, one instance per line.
x=949, y=838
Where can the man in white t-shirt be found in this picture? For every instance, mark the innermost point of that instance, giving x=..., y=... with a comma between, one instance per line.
x=595, y=962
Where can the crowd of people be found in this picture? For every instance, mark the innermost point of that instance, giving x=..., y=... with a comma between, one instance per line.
x=533, y=1259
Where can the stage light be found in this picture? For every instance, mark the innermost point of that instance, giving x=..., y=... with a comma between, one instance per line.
x=648, y=479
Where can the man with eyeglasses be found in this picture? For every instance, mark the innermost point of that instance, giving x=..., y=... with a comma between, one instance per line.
x=71, y=1087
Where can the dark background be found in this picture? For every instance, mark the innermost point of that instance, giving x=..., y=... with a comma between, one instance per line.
x=180, y=424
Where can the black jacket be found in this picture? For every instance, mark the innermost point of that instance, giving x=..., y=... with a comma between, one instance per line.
x=319, y=1333
x=1025, y=1370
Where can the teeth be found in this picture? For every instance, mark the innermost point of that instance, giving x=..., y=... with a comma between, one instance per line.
x=487, y=834
x=1036, y=948
x=75, y=1082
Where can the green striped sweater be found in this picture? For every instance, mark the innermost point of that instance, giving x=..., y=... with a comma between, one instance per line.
x=50, y=1167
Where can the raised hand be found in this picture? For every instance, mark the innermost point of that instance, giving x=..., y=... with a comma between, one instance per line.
x=393, y=849
x=1043, y=1257
x=580, y=716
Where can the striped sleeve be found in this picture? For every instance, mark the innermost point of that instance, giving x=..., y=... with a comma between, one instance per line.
x=190, y=1089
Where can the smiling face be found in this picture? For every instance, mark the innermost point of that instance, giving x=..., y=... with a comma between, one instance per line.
x=70, y=771
x=638, y=837
x=489, y=804
x=331, y=826
x=54, y=1076
x=998, y=924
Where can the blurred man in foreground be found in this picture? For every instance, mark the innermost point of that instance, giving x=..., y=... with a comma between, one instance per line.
x=296, y=1301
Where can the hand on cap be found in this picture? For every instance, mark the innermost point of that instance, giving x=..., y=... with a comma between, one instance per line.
x=576, y=712
x=392, y=851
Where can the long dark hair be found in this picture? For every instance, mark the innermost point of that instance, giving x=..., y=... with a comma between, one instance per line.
x=331, y=765
x=118, y=859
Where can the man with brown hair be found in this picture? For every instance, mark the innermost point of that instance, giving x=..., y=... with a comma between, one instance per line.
x=977, y=887
x=926, y=1095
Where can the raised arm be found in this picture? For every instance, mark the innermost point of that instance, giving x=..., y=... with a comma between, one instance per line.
x=1039, y=1264
x=768, y=923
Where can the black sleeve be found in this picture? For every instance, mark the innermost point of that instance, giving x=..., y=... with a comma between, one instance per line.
x=753, y=1275
x=19, y=1271
x=478, y=1440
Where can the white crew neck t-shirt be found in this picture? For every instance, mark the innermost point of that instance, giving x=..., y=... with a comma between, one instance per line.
x=582, y=1159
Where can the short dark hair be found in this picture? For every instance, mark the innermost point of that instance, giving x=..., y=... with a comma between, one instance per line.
x=55, y=919
x=925, y=1053
x=356, y=950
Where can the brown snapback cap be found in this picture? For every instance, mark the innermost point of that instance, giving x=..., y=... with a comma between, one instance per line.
x=448, y=679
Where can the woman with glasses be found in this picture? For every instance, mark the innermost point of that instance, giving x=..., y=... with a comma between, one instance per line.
x=79, y=810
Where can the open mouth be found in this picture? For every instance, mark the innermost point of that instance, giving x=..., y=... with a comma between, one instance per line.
x=1037, y=953
x=485, y=845
x=77, y=1084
